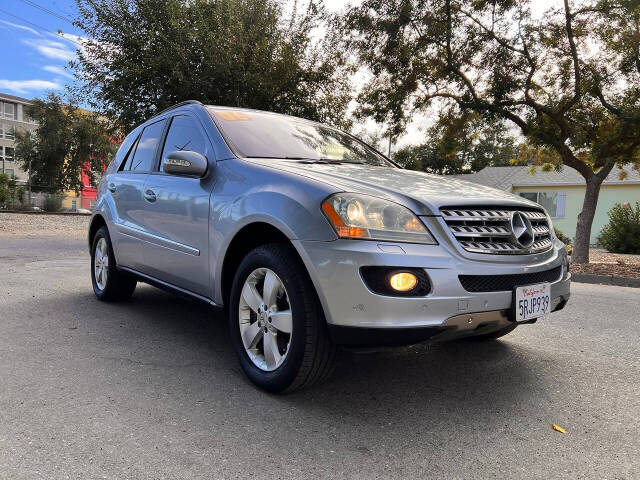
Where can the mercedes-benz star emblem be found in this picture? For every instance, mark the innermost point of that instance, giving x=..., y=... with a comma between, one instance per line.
x=522, y=229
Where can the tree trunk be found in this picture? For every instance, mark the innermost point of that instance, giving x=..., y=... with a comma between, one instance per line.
x=580, y=252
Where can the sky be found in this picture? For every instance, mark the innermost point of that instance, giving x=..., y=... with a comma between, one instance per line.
x=35, y=56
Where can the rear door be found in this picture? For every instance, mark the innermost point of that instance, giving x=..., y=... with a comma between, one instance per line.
x=127, y=189
x=177, y=213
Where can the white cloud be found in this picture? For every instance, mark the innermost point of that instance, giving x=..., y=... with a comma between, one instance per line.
x=77, y=40
x=24, y=86
x=20, y=27
x=52, y=49
x=57, y=70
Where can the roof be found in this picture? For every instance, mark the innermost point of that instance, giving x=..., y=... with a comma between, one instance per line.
x=505, y=178
x=13, y=98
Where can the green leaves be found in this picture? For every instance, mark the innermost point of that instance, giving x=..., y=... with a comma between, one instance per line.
x=461, y=143
x=622, y=233
x=67, y=143
x=147, y=55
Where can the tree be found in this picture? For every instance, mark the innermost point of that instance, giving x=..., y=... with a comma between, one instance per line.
x=146, y=55
x=7, y=189
x=66, y=143
x=570, y=80
x=460, y=143
x=45, y=150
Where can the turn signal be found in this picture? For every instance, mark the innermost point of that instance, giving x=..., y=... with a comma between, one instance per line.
x=403, y=281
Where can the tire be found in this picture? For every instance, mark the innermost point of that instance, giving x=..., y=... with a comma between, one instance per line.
x=109, y=284
x=304, y=356
x=493, y=335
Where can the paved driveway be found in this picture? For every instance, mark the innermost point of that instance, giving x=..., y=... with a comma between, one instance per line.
x=150, y=389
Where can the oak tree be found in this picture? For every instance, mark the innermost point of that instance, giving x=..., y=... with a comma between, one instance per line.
x=568, y=79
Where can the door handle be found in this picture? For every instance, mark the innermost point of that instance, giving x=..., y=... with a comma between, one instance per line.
x=150, y=196
x=112, y=187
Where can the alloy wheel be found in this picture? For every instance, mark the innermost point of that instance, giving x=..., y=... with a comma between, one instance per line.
x=101, y=264
x=265, y=319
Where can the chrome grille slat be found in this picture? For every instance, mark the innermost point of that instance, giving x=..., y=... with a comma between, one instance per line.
x=488, y=230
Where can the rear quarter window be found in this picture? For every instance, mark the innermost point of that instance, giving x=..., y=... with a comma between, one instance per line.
x=121, y=154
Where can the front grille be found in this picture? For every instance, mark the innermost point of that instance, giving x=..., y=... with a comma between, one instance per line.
x=488, y=230
x=504, y=283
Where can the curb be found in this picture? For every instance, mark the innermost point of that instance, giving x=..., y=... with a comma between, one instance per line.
x=31, y=212
x=606, y=280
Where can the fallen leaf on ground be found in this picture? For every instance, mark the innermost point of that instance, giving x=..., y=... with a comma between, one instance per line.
x=558, y=428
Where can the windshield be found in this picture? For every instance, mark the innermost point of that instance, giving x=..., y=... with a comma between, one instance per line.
x=264, y=135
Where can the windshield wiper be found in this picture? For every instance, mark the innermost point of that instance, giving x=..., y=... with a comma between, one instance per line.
x=322, y=161
x=305, y=159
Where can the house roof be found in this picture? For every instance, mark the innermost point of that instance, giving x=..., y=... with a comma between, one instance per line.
x=505, y=178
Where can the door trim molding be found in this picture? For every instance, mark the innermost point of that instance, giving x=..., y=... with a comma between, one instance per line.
x=157, y=240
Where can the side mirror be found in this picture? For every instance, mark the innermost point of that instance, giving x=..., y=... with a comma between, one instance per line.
x=185, y=162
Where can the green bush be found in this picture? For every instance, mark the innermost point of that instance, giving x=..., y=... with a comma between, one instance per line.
x=561, y=236
x=622, y=233
x=52, y=202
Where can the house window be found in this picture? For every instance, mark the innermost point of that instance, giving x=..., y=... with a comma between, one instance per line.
x=1, y=152
x=553, y=202
x=9, y=111
x=1, y=130
x=9, y=172
x=74, y=204
x=8, y=153
x=9, y=132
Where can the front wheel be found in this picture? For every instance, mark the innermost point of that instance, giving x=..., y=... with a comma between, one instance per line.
x=109, y=284
x=277, y=325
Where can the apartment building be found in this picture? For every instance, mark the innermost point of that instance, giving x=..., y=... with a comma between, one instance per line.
x=13, y=118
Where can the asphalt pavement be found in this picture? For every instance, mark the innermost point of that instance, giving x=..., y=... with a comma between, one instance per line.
x=151, y=389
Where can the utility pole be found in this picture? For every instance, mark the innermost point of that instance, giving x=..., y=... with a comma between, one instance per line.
x=389, y=151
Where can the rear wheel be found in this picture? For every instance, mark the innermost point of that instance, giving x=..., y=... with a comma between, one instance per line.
x=277, y=325
x=109, y=284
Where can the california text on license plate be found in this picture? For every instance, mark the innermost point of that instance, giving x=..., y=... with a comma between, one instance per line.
x=532, y=301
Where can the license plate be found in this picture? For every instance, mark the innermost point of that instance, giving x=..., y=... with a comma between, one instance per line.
x=532, y=301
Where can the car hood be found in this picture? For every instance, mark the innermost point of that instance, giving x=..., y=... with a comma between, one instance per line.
x=424, y=193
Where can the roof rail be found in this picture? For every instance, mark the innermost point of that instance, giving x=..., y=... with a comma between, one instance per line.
x=186, y=102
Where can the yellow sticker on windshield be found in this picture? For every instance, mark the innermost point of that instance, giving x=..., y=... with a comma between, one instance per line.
x=231, y=116
x=334, y=151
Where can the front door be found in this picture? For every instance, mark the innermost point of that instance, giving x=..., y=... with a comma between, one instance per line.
x=177, y=214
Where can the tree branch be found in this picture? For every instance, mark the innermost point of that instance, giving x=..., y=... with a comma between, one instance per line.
x=574, y=56
x=490, y=31
x=611, y=108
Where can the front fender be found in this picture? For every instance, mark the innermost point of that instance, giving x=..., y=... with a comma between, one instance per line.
x=286, y=201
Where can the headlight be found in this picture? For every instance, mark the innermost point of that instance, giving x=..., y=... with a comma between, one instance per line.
x=361, y=216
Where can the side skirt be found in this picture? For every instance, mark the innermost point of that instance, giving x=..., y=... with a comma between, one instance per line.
x=169, y=287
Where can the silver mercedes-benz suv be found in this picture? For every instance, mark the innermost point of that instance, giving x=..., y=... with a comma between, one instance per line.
x=310, y=240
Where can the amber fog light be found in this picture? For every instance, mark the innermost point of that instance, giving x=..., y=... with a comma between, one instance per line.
x=396, y=281
x=403, y=281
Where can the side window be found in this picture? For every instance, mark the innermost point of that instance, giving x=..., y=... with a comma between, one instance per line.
x=124, y=149
x=184, y=134
x=145, y=150
x=126, y=165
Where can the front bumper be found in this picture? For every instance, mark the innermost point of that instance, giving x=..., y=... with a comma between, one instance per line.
x=353, y=312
